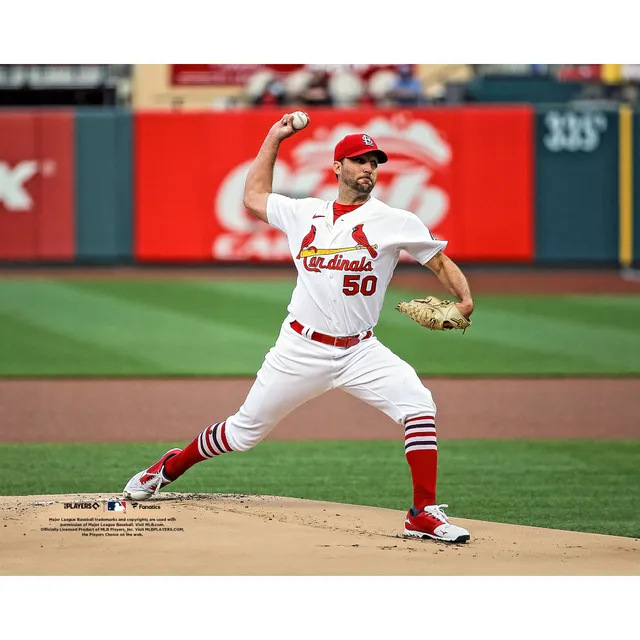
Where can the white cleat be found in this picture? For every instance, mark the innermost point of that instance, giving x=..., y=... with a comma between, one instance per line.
x=432, y=523
x=147, y=483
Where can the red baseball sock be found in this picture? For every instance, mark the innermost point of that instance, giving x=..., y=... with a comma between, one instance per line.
x=209, y=443
x=421, y=451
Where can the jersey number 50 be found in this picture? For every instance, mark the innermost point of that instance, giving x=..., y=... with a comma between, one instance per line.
x=352, y=285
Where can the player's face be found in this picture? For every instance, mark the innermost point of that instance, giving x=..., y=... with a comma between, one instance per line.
x=359, y=173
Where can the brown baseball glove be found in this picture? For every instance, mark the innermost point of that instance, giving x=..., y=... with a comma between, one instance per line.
x=435, y=314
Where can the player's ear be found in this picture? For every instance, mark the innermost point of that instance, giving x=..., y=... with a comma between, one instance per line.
x=337, y=167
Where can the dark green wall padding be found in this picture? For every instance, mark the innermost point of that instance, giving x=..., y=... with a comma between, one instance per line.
x=576, y=186
x=104, y=186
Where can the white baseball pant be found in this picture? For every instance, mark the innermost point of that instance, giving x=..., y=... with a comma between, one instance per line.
x=298, y=369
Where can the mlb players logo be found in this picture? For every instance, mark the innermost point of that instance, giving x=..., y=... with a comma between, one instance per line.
x=117, y=505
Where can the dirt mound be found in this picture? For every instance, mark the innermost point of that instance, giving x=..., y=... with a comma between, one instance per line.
x=208, y=534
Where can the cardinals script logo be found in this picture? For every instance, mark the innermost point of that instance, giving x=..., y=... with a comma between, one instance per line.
x=313, y=258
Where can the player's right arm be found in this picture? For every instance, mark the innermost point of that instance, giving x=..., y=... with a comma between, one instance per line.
x=259, y=183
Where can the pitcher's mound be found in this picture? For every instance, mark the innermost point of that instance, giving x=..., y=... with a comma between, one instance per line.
x=210, y=534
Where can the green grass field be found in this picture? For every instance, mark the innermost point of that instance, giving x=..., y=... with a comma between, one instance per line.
x=66, y=327
x=69, y=327
x=577, y=485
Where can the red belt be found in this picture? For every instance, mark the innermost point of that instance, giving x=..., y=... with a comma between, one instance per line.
x=349, y=341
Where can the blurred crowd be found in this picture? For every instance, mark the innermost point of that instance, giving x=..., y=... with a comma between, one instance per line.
x=340, y=88
x=402, y=86
x=220, y=86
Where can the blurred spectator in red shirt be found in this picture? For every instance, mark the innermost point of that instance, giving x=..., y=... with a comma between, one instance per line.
x=317, y=92
x=273, y=94
x=264, y=89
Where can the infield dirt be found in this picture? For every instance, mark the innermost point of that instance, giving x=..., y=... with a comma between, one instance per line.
x=198, y=534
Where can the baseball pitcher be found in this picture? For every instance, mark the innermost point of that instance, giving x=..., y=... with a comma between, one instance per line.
x=345, y=252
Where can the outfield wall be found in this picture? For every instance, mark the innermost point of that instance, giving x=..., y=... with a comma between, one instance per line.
x=504, y=184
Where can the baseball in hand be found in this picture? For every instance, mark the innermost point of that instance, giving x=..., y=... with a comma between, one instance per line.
x=299, y=121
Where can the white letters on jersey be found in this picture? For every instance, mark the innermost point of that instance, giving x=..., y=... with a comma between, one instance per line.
x=344, y=268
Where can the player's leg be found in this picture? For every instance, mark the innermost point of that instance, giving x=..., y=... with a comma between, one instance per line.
x=382, y=379
x=376, y=375
x=293, y=372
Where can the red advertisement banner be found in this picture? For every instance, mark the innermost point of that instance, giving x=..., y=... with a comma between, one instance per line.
x=37, y=215
x=238, y=74
x=466, y=173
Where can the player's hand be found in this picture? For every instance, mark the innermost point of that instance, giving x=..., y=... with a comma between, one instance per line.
x=466, y=308
x=283, y=129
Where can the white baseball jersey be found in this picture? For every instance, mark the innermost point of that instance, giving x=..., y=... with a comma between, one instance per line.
x=344, y=268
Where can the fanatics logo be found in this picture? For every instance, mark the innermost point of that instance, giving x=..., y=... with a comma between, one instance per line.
x=367, y=140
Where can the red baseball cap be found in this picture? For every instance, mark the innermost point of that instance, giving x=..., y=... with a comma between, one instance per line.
x=355, y=145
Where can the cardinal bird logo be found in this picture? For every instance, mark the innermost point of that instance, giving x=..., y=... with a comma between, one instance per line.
x=359, y=236
x=307, y=240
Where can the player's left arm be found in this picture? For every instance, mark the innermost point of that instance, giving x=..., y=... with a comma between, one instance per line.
x=450, y=275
